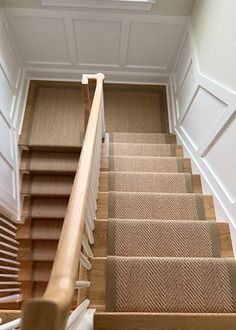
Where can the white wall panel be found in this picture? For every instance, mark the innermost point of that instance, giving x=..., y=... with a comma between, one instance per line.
x=128, y=46
x=12, y=80
x=41, y=40
x=9, y=60
x=207, y=128
x=97, y=42
x=185, y=92
x=7, y=183
x=6, y=96
x=182, y=64
x=221, y=159
x=6, y=139
x=152, y=45
x=204, y=111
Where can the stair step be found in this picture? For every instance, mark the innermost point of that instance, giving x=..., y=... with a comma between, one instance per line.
x=39, y=288
x=100, y=247
x=146, y=164
x=38, y=250
x=146, y=149
x=47, y=229
x=119, y=137
x=45, y=185
x=150, y=182
x=43, y=207
x=163, y=321
x=165, y=206
x=41, y=271
x=174, y=285
x=49, y=162
x=40, y=229
x=163, y=238
x=44, y=250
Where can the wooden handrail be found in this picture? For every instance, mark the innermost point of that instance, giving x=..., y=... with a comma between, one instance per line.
x=51, y=311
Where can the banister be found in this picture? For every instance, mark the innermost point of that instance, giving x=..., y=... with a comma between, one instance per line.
x=52, y=310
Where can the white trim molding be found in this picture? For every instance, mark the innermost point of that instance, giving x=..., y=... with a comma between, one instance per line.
x=104, y=4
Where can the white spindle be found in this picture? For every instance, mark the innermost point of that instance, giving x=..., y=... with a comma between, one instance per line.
x=85, y=262
x=86, y=247
x=11, y=325
x=78, y=314
x=82, y=284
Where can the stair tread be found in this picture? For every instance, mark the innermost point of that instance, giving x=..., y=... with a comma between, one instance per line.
x=171, y=285
x=43, y=207
x=141, y=137
x=49, y=162
x=151, y=238
x=146, y=164
x=150, y=182
x=47, y=185
x=47, y=229
x=145, y=149
x=168, y=206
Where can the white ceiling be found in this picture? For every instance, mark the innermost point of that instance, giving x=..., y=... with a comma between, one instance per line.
x=108, y=41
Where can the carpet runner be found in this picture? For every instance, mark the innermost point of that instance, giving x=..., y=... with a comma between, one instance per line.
x=163, y=255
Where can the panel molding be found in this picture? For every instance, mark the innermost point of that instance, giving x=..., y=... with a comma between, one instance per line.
x=125, y=19
x=198, y=153
x=13, y=93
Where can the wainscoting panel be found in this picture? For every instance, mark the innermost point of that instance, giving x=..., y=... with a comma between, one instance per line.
x=12, y=82
x=224, y=149
x=68, y=43
x=203, y=114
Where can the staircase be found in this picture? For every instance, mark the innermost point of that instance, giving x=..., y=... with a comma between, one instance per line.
x=161, y=261
x=51, y=142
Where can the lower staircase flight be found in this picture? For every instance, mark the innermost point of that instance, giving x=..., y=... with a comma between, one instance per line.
x=165, y=253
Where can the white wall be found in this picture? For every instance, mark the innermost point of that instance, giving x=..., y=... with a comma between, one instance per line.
x=125, y=46
x=12, y=92
x=204, y=117
x=214, y=29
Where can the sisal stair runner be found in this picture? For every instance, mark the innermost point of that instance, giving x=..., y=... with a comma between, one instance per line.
x=150, y=182
x=137, y=149
x=47, y=182
x=163, y=254
x=186, y=285
x=151, y=237
x=141, y=138
x=146, y=164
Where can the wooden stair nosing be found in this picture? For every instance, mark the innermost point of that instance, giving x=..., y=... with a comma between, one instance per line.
x=164, y=321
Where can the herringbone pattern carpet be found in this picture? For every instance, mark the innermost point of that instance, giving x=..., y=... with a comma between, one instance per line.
x=150, y=182
x=139, y=138
x=147, y=149
x=163, y=255
x=146, y=164
x=144, y=205
x=187, y=285
x=151, y=237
